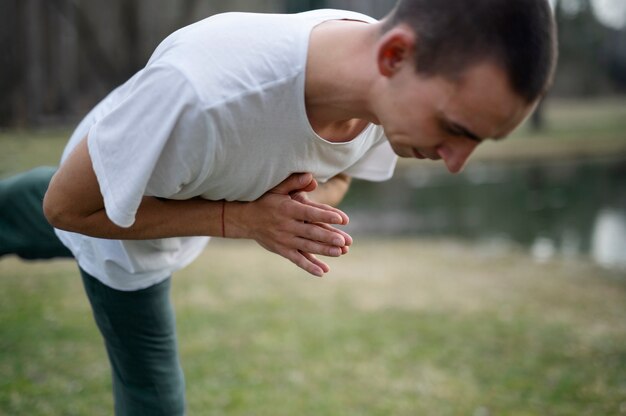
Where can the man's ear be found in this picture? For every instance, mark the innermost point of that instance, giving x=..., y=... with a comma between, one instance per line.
x=395, y=49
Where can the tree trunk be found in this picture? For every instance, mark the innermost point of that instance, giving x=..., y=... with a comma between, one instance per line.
x=34, y=22
x=66, y=58
x=129, y=18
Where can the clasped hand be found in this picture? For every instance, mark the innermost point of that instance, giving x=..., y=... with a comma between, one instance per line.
x=286, y=222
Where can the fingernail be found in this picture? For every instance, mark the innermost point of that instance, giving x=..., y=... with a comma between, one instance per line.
x=335, y=251
x=339, y=242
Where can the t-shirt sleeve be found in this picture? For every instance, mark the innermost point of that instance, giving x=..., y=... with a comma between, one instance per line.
x=377, y=164
x=145, y=144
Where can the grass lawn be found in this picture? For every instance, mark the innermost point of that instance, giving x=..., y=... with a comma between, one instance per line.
x=399, y=327
x=23, y=150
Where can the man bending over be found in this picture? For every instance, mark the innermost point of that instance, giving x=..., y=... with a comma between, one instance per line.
x=236, y=119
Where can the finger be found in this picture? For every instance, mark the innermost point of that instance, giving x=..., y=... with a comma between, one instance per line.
x=311, y=186
x=309, y=213
x=323, y=234
x=343, y=215
x=315, y=247
x=310, y=257
x=347, y=238
x=300, y=260
x=294, y=182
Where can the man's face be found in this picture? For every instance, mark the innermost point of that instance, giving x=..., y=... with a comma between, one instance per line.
x=438, y=118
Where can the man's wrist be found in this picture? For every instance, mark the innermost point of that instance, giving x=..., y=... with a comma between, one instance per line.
x=234, y=220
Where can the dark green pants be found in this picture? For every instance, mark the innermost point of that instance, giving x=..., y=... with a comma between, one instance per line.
x=140, y=338
x=138, y=327
x=23, y=229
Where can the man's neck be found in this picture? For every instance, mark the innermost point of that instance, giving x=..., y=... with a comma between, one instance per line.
x=339, y=70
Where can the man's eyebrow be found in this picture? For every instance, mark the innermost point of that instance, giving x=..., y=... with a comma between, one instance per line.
x=465, y=131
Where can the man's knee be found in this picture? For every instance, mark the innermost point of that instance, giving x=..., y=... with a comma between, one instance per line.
x=34, y=181
x=23, y=228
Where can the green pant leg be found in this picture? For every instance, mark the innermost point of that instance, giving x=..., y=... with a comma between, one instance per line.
x=24, y=230
x=140, y=337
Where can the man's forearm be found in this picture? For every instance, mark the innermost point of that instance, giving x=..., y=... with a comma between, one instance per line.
x=73, y=202
x=155, y=218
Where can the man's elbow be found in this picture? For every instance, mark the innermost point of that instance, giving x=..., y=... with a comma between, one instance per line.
x=342, y=184
x=345, y=181
x=57, y=214
x=51, y=211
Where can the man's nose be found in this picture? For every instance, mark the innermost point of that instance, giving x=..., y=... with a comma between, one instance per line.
x=455, y=154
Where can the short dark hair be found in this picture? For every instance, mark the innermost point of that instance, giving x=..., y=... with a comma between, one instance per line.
x=518, y=35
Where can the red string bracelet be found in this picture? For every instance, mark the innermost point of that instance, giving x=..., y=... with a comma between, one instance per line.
x=223, y=222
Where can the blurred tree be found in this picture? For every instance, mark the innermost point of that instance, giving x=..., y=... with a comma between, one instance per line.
x=186, y=12
x=616, y=59
x=584, y=56
x=374, y=8
x=12, y=48
x=296, y=6
x=35, y=82
x=582, y=52
x=89, y=42
x=129, y=19
x=60, y=56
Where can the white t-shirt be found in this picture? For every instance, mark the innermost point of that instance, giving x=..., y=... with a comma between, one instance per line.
x=218, y=112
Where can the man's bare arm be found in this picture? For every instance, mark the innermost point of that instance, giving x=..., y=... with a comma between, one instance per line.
x=74, y=203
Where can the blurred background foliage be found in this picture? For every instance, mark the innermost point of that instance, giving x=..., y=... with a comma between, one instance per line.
x=59, y=57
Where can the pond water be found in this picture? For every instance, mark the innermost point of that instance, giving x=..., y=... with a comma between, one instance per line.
x=554, y=208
